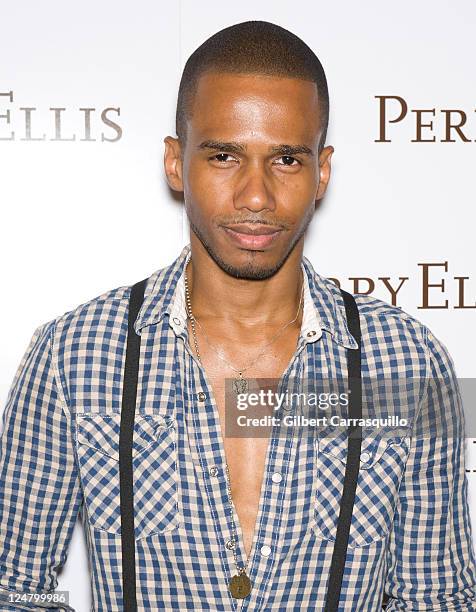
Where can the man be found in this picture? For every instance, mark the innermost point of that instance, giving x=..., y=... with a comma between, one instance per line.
x=240, y=303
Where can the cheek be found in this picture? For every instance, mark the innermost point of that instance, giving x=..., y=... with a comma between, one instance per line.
x=207, y=189
x=201, y=197
x=295, y=197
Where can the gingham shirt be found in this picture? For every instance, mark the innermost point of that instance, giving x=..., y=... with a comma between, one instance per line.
x=410, y=534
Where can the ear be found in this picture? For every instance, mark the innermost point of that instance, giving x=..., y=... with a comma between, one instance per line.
x=324, y=170
x=173, y=163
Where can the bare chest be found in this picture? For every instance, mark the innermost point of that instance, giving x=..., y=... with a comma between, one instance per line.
x=245, y=456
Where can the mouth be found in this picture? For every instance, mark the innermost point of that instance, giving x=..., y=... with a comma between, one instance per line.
x=253, y=236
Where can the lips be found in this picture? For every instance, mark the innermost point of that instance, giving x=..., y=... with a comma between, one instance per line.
x=253, y=236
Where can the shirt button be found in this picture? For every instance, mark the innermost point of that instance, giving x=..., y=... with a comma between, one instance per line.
x=311, y=333
x=276, y=477
x=364, y=457
x=230, y=544
x=201, y=396
x=177, y=321
x=265, y=550
x=213, y=471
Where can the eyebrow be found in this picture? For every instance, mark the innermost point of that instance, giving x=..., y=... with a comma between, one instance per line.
x=218, y=145
x=285, y=149
x=236, y=147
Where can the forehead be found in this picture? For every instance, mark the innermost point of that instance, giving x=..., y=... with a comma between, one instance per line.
x=255, y=106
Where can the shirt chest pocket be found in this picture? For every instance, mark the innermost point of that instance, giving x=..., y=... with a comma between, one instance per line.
x=154, y=458
x=382, y=464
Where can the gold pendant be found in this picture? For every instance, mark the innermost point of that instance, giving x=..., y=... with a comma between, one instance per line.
x=240, y=586
x=240, y=385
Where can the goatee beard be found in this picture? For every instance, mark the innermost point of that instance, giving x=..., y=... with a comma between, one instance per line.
x=249, y=270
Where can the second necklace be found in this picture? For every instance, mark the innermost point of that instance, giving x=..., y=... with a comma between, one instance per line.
x=240, y=384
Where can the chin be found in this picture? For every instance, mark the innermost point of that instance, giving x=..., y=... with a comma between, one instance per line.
x=242, y=263
x=249, y=265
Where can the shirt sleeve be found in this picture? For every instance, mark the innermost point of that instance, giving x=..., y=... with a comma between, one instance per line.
x=39, y=486
x=430, y=561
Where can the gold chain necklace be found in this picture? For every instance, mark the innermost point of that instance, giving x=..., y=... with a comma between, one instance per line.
x=240, y=583
x=240, y=385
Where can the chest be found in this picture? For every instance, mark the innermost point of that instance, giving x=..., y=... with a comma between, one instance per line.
x=231, y=367
x=179, y=438
x=245, y=454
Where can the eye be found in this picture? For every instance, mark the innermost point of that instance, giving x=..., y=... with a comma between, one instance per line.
x=288, y=161
x=221, y=158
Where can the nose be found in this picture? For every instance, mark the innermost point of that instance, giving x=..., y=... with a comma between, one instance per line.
x=254, y=190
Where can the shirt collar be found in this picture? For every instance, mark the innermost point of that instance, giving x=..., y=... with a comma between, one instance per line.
x=323, y=305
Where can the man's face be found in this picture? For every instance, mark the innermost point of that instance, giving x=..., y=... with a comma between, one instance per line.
x=250, y=171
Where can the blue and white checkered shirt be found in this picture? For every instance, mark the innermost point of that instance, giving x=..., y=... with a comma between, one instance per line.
x=410, y=534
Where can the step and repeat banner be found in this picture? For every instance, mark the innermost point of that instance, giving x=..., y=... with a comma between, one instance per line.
x=88, y=93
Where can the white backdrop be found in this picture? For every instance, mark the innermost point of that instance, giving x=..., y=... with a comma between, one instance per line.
x=82, y=216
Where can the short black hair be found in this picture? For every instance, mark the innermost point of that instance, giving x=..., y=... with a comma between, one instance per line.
x=252, y=47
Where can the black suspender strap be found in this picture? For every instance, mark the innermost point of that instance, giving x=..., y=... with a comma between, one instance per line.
x=129, y=395
x=354, y=443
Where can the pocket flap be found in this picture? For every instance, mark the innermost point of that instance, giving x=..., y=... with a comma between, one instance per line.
x=102, y=432
x=371, y=450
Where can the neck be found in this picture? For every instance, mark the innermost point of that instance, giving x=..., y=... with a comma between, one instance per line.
x=218, y=295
